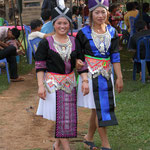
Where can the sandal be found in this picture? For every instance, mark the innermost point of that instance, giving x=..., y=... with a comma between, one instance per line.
x=90, y=145
x=19, y=79
x=103, y=148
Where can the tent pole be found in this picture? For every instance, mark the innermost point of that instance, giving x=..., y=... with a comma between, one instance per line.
x=71, y=15
x=19, y=8
x=142, y=9
x=12, y=2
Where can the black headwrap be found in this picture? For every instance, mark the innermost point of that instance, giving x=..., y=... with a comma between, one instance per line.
x=58, y=12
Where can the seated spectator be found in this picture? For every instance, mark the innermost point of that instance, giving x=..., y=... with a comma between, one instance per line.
x=145, y=16
x=10, y=52
x=115, y=16
x=14, y=42
x=131, y=11
x=141, y=31
x=36, y=26
x=47, y=26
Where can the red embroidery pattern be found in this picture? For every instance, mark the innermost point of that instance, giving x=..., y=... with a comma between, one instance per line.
x=99, y=66
x=64, y=82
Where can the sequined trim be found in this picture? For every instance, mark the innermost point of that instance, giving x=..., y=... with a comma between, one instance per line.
x=64, y=50
x=40, y=64
x=99, y=66
x=102, y=41
x=65, y=82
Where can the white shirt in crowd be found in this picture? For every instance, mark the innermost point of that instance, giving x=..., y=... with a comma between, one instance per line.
x=36, y=34
x=3, y=33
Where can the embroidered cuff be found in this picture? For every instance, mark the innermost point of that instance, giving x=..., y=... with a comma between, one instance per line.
x=40, y=65
x=115, y=57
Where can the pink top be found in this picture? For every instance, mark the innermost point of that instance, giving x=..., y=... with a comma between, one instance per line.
x=11, y=27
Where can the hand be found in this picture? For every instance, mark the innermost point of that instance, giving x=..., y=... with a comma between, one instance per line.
x=8, y=43
x=79, y=64
x=1, y=48
x=42, y=92
x=20, y=52
x=2, y=44
x=119, y=85
x=85, y=88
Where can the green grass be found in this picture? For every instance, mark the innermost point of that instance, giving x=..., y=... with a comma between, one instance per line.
x=24, y=67
x=3, y=82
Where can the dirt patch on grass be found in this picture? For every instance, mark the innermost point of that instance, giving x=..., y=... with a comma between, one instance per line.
x=20, y=128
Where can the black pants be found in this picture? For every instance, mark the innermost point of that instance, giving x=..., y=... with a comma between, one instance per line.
x=10, y=54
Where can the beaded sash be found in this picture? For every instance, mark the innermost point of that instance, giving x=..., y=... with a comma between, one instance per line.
x=99, y=66
x=65, y=82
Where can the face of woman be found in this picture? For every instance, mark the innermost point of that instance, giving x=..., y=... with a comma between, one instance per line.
x=99, y=15
x=62, y=26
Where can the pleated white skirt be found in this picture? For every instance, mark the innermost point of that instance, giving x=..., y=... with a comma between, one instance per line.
x=47, y=107
x=88, y=100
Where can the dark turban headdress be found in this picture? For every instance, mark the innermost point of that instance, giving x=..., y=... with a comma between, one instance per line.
x=58, y=12
x=93, y=4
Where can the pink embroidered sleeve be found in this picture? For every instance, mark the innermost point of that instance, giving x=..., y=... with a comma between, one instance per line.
x=40, y=65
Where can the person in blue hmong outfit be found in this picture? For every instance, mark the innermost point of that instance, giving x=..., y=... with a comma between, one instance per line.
x=97, y=47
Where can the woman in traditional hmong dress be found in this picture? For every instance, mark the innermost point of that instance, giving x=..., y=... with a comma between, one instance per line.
x=56, y=57
x=97, y=45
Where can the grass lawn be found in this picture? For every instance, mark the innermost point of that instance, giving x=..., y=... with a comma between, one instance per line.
x=23, y=68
